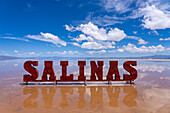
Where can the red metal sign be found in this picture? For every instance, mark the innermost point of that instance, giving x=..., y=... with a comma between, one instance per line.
x=96, y=71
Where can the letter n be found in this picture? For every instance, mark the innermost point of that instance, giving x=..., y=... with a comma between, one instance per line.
x=96, y=70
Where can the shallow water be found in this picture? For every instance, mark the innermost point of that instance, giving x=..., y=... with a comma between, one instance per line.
x=151, y=94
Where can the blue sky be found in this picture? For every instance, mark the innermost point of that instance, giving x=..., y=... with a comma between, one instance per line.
x=83, y=28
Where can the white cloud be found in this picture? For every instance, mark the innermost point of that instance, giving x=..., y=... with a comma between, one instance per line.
x=130, y=8
x=104, y=20
x=141, y=41
x=111, y=51
x=76, y=44
x=166, y=39
x=120, y=50
x=100, y=33
x=64, y=52
x=134, y=32
x=96, y=45
x=97, y=52
x=92, y=45
x=116, y=5
x=133, y=37
x=31, y=53
x=16, y=38
x=155, y=18
x=143, y=49
x=97, y=38
x=83, y=37
x=47, y=37
x=15, y=65
x=15, y=51
x=70, y=28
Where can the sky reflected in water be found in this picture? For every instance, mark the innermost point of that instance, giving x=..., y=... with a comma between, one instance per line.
x=150, y=95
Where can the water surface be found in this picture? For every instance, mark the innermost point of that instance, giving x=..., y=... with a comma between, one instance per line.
x=151, y=94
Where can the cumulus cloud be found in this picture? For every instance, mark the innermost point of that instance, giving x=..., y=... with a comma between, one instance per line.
x=92, y=45
x=75, y=44
x=96, y=45
x=69, y=28
x=166, y=39
x=143, y=49
x=97, y=52
x=94, y=37
x=47, y=37
x=141, y=41
x=100, y=33
x=83, y=37
x=155, y=18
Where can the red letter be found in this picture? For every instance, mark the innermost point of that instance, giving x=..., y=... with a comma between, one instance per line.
x=64, y=76
x=133, y=72
x=48, y=69
x=97, y=70
x=113, y=70
x=33, y=71
x=81, y=76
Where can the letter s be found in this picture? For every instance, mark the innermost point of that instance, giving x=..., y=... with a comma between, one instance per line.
x=133, y=72
x=32, y=70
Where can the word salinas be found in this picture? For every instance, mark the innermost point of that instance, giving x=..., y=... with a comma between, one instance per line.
x=96, y=71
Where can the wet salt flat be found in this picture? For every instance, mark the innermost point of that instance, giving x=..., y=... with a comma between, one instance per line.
x=151, y=94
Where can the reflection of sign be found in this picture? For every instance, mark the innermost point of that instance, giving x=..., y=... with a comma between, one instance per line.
x=96, y=98
x=96, y=71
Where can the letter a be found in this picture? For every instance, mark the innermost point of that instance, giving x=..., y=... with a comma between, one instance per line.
x=113, y=70
x=48, y=70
